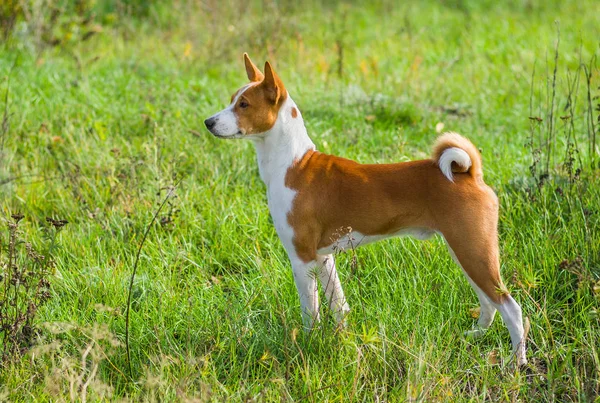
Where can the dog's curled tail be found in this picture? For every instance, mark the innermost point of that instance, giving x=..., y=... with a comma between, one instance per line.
x=454, y=153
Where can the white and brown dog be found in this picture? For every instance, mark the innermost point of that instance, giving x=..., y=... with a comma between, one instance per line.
x=314, y=197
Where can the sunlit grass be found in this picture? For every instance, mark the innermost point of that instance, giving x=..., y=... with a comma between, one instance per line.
x=215, y=314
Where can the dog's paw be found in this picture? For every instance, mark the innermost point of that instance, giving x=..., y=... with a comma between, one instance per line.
x=520, y=357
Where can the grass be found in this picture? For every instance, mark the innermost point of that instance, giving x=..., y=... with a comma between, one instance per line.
x=100, y=130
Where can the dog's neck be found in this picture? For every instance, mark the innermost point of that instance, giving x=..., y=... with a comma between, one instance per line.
x=286, y=142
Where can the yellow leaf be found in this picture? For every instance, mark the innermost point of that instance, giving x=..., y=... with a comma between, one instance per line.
x=475, y=312
x=187, y=50
x=265, y=356
x=364, y=67
x=322, y=64
x=492, y=357
x=416, y=63
x=374, y=67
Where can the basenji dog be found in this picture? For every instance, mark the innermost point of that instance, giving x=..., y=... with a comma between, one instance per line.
x=322, y=203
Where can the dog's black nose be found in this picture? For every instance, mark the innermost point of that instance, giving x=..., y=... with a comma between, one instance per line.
x=210, y=123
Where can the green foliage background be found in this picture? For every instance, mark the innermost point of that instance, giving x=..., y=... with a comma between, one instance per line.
x=104, y=111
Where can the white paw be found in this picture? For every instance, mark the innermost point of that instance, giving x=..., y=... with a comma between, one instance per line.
x=521, y=359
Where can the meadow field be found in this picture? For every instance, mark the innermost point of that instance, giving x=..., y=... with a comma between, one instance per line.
x=106, y=167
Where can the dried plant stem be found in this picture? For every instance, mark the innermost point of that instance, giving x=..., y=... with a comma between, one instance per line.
x=25, y=287
x=573, y=87
x=550, y=139
x=135, y=265
x=4, y=313
x=590, y=108
x=532, y=126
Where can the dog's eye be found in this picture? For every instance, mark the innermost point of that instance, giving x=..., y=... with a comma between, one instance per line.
x=243, y=104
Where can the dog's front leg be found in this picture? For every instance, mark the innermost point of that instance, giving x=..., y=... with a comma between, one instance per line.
x=305, y=277
x=333, y=289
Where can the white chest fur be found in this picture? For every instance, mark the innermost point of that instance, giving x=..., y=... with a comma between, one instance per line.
x=276, y=151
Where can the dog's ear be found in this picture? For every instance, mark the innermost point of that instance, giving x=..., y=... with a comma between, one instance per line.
x=273, y=84
x=253, y=72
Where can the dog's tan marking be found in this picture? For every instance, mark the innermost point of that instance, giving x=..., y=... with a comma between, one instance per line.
x=294, y=112
x=382, y=199
x=252, y=71
x=257, y=108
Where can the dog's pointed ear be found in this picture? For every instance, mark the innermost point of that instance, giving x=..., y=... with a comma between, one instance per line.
x=273, y=84
x=253, y=72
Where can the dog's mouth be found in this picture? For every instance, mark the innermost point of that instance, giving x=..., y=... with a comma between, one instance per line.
x=234, y=136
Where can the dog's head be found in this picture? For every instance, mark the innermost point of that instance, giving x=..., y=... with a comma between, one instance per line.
x=253, y=109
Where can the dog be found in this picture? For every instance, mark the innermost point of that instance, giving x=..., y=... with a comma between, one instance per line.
x=320, y=203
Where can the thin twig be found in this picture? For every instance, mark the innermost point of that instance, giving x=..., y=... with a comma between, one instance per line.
x=572, y=101
x=590, y=108
x=135, y=265
x=19, y=177
x=356, y=373
x=551, y=117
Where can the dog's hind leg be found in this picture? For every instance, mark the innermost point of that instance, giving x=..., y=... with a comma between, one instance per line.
x=487, y=311
x=511, y=313
x=474, y=243
x=333, y=288
x=481, y=265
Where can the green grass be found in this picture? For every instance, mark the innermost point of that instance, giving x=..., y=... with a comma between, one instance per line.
x=100, y=129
